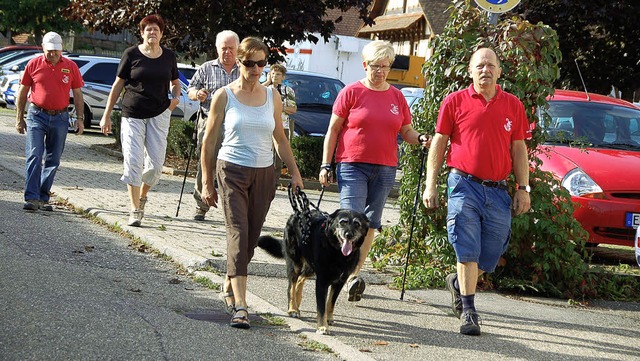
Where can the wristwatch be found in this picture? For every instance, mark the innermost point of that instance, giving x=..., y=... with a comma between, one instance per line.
x=525, y=188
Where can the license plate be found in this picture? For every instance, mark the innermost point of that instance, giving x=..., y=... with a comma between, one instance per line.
x=632, y=220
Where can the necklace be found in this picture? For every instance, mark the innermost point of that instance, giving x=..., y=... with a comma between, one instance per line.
x=150, y=51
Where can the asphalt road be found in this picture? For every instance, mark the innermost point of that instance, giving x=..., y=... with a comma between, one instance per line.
x=72, y=290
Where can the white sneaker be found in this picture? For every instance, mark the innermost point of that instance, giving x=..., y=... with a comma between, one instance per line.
x=135, y=218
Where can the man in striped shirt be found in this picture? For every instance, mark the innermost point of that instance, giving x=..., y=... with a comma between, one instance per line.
x=211, y=76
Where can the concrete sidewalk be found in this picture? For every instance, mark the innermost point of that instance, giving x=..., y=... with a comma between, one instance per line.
x=380, y=327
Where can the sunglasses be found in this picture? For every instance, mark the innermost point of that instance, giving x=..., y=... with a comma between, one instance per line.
x=252, y=63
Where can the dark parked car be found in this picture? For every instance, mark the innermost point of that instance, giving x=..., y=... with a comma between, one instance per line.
x=315, y=94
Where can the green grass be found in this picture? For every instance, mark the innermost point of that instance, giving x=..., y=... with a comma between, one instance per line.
x=5, y=111
x=216, y=254
x=272, y=320
x=311, y=345
x=208, y=283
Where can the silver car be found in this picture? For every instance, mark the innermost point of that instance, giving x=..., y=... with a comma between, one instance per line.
x=99, y=73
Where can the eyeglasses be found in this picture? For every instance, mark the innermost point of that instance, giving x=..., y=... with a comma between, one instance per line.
x=252, y=63
x=379, y=67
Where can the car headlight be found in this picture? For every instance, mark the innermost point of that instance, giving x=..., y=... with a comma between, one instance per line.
x=578, y=183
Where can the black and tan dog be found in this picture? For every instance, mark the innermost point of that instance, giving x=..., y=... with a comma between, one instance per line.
x=331, y=252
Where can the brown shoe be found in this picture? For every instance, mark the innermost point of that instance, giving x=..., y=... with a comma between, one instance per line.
x=199, y=216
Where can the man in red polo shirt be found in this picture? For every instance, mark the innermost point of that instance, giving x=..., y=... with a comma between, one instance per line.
x=50, y=78
x=486, y=127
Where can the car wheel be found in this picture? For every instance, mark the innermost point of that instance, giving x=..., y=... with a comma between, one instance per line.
x=73, y=116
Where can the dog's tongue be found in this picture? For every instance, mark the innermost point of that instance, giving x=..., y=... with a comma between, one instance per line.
x=346, y=248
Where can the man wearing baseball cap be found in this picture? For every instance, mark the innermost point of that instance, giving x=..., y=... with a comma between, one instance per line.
x=49, y=77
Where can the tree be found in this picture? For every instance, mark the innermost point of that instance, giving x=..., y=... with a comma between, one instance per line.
x=191, y=25
x=602, y=36
x=529, y=56
x=34, y=16
x=545, y=254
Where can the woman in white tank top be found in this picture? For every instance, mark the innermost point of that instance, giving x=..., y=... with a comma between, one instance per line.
x=249, y=115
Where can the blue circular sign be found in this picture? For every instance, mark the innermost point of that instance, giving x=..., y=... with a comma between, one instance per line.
x=497, y=6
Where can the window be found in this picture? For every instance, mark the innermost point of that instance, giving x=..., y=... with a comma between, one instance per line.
x=101, y=73
x=597, y=124
x=80, y=63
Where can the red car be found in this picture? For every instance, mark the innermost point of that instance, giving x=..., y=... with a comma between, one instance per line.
x=603, y=176
x=12, y=48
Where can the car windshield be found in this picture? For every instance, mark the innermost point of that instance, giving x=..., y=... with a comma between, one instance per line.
x=594, y=124
x=313, y=90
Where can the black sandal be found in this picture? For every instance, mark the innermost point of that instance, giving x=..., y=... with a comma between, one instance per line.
x=238, y=321
x=230, y=308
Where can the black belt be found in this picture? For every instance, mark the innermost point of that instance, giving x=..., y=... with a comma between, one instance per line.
x=50, y=112
x=487, y=183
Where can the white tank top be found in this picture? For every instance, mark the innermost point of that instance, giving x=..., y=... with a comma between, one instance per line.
x=248, y=132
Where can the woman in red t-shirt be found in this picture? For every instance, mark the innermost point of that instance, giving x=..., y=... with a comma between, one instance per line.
x=367, y=117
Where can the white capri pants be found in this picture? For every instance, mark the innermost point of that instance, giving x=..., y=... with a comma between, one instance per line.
x=144, y=146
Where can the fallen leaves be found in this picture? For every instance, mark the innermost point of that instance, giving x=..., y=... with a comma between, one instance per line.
x=385, y=343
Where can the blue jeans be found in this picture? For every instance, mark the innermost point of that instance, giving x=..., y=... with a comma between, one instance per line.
x=364, y=188
x=46, y=135
x=478, y=221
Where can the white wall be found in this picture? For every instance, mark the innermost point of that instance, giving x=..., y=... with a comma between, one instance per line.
x=340, y=57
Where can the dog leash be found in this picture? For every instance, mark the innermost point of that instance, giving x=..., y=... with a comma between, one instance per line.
x=300, y=204
x=300, y=201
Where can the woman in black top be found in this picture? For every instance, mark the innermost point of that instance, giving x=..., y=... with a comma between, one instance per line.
x=147, y=72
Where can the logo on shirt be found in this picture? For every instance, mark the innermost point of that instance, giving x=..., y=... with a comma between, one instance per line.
x=65, y=79
x=507, y=125
x=65, y=71
x=394, y=109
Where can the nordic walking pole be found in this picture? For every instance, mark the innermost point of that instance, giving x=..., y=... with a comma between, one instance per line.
x=191, y=146
x=413, y=221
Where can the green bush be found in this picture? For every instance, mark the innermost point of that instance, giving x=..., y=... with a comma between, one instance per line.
x=546, y=252
x=308, y=154
x=180, y=138
x=116, y=117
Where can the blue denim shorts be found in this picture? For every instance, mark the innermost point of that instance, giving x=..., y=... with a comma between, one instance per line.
x=478, y=221
x=364, y=187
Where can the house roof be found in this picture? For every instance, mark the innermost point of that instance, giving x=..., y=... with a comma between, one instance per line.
x=437, y=13
x=434, y=11
x=392, y=22
x=350, y=23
